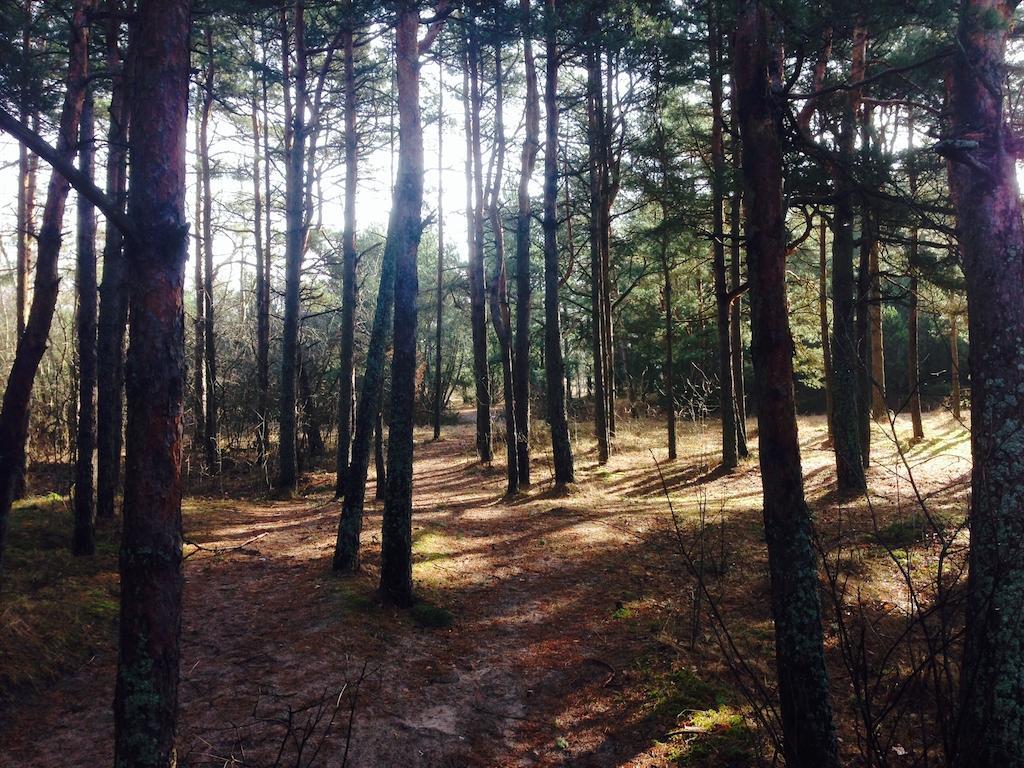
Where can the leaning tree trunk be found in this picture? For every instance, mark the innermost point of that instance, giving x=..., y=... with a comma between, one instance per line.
x=404, y=230
x=498, y=287
x=32, y=342
x=113, y=313
x=348, y=255
x=524, y=291
x=146, y=697
x=983, y=185
x=554, y=362
x=809, y=739
x=84, y=540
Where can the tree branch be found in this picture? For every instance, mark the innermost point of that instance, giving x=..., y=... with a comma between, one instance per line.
x=18, y=130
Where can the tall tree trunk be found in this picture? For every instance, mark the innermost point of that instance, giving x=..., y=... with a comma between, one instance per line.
x=954, y=365
x=666, y=273
x=346, y=390
x=379, y=455
x=113, y=311
x=736, y=309
x=146, y=697
x=809, y=739
x=983, y=185
x=84, y=540
x=862, y=320
x=730, y=455
x=295, y=210
x=404, y=231
x=477, y=299
x=28, y=165
x=826, y=345
x=913, y=320
x=32, y=342
x=199, y=322
x=597, y=272
x=211, y=445
x=524, y=290
x=554, y=364
x=498, y=287
x=262, y=258
x=845, y=365
x=310, y=422
x=439, y=294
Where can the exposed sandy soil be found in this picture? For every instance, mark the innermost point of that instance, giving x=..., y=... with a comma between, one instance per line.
x=566, y=613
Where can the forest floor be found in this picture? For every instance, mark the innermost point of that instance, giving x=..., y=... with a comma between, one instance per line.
x=555, y=630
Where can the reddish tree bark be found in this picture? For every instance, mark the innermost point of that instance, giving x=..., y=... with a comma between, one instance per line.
x=983, y=185
x=146, y=695
x=809, y=739
x=524, y=291
x=83, y=541
x=404, y=230
x=346, y=389
x=113, y=313
x=554, y=362
x=32, y=342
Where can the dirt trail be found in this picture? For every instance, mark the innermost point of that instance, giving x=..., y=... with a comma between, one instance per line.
x=536, y=668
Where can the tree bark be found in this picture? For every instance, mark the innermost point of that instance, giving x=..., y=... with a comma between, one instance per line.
x=597, y=272
x=199, y=322
x=113, y=311
x=983, y=186
x=498, y=287
x=346, y=390
x=735, y=323
x=524, y=290
x=475, y=225
x=913, y=320
x=730, y=454
x=32, y=342
x=404, y=231
x=83, y=541
x=295, y=230
x=439, y=293
x=954, y=365
x=845, y=366
x=211, y=445
x=262, y=261
x=146, y=696
x=826, y=345
x=554, y=363
x=809, y=739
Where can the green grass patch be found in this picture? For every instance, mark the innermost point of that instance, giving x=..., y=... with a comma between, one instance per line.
x=430, y=616
x=56, y=610
x=909, y=531
x=429, y=546
x=351, y=596
x=682, y=691
x=717, y=738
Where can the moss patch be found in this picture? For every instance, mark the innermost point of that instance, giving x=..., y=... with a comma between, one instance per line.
x=56, y=610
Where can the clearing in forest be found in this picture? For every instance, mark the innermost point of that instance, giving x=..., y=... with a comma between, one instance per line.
x=553, y=630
